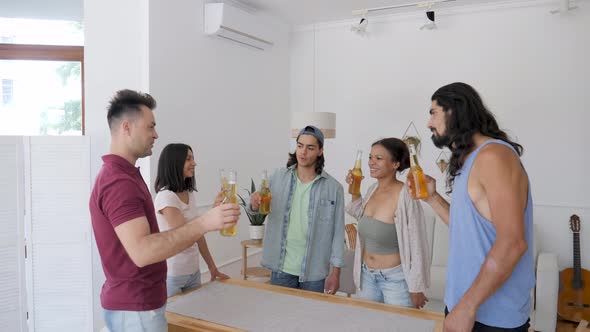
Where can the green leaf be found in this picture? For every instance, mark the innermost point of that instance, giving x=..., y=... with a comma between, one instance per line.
x=256, y=219
x=250, y=216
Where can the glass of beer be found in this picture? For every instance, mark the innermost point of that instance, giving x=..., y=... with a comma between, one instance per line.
x=223, y=182
x=230, y=197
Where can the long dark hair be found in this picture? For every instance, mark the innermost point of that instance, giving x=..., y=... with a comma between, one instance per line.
x=319, y=163
x=398, y=151
x=466, y=115
x=171, y=169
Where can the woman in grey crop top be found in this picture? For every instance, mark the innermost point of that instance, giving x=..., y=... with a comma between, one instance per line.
x=382, y=276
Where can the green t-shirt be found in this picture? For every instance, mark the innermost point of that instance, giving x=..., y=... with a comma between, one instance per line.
x=298, y=227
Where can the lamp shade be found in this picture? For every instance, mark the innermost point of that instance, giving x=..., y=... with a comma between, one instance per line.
x=326, y=121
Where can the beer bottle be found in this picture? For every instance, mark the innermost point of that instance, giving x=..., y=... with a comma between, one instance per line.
x=416, y=175
x=265, y=196
x=357, y=175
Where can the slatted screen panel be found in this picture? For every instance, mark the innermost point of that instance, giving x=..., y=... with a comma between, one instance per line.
x=12, y=290
x=61, y=264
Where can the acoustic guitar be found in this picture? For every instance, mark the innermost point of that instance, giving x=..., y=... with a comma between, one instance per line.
x=574, y=292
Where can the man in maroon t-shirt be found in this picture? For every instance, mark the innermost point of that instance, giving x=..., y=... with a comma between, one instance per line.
x=132, y=249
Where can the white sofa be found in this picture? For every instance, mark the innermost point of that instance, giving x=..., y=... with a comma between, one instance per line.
x=544, y=295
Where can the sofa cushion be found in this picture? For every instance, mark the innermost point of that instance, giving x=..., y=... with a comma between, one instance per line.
x=438, y=278
x=440, y=243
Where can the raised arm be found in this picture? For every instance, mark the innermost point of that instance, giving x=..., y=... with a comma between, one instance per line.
x=434, y=199
x=145, y=248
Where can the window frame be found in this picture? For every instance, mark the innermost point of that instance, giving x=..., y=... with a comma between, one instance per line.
x=47, y=53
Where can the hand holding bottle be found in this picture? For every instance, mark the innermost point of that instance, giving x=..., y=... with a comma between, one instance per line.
x=349, y=180
x=219, y=198
x=222, y=217
x=430, y=185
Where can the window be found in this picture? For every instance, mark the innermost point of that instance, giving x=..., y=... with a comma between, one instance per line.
x=42, y=85
x=7, y=91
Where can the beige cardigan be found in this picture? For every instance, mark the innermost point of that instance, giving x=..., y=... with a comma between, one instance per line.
x=411, y=236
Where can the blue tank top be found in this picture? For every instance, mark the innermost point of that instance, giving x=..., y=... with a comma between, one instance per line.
x=471, y=238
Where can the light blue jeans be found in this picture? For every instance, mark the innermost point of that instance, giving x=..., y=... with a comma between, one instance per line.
x=291, y=281
x=136, y=321
x=386, y=286
x=179, y=284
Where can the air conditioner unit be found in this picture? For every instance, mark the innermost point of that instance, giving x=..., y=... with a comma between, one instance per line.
x=235, y=24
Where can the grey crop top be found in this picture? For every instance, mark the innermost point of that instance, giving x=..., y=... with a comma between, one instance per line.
x=378, y=237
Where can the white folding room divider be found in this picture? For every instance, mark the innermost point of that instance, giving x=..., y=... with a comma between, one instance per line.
x=53, y=180
x=13, y=309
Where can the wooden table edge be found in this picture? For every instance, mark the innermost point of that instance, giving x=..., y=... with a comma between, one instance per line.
x=410, y=312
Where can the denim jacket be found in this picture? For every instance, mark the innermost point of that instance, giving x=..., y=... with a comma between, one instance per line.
x=325, y=238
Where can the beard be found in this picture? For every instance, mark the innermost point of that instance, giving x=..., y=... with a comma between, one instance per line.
x=441, y=141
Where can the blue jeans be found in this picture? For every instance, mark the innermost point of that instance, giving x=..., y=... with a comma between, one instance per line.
x=386, y=286
x=136, y=321
x=291, y=281
x=179, y=284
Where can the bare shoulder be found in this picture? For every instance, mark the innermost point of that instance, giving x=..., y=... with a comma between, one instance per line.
x=497, y=167
x=497, y=157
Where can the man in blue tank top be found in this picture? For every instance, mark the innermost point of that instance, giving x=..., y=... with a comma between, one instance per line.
x=490, y=271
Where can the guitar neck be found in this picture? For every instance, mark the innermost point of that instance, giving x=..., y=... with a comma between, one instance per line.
x=577, y=282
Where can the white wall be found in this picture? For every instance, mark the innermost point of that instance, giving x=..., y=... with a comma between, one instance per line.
x=116, y=57
x=228, y=101
x=530, y=67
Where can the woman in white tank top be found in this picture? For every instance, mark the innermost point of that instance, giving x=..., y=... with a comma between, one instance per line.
x=176, y=203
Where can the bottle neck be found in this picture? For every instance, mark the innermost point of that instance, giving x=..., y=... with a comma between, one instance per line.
x=358, y=160
x=357, y=164
x=413, y=157
x=414, y=161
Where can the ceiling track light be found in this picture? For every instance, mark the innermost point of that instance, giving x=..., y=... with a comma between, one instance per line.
x=421, y=4
x=361, y=26
x=430, y=17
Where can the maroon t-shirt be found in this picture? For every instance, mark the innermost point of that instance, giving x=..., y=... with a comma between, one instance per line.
x=120, y=195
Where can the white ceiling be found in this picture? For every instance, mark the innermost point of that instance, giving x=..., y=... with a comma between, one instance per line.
x=302, y=12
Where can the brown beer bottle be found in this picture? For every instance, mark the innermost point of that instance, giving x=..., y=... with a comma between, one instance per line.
x=357, y=175
x=416, y=175
x=265, y=196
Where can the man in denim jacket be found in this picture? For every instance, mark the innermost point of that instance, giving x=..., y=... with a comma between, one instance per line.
x=305, y=229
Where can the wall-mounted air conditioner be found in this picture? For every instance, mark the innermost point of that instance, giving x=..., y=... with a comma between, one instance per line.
x=236, y=24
